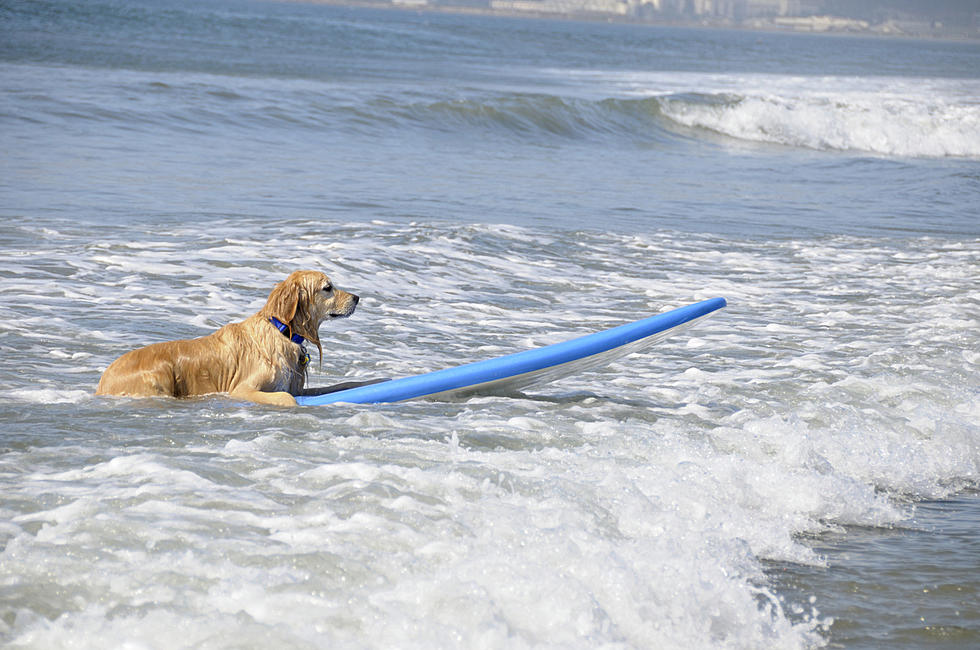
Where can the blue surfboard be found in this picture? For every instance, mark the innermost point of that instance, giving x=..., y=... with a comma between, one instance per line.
x=513, y=372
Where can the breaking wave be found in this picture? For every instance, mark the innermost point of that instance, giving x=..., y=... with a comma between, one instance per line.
x=885, y=126
x=908, y=118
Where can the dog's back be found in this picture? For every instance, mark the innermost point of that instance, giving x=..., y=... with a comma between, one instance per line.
x=171, y=369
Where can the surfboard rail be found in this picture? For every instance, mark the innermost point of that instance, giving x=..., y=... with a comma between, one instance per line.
x=529, y=367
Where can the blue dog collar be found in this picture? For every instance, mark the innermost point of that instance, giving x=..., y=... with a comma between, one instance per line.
x=286, y=331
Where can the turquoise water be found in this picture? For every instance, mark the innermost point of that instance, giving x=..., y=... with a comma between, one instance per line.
x=798, y=471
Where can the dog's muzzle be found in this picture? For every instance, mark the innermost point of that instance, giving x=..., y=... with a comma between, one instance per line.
x=351, y=305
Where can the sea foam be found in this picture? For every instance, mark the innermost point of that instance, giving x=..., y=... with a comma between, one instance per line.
x=636, y=505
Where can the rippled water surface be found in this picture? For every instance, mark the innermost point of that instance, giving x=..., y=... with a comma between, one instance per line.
x=799, y=470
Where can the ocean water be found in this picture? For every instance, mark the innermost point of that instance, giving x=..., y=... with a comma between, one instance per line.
x=799, y=471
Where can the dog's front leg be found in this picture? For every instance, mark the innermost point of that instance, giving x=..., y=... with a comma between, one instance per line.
x=262, y=397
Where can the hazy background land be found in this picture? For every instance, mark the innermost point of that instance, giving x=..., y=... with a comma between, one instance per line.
x=919, y=18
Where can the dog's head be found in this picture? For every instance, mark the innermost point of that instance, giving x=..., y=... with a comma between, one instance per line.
x=305, y=299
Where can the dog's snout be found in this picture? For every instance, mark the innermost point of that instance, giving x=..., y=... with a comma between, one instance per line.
x=347, y=303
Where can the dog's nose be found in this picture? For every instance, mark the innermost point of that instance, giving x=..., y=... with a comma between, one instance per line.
x=357, y=298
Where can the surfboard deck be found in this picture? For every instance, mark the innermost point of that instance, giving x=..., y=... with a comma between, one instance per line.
x=520, y=370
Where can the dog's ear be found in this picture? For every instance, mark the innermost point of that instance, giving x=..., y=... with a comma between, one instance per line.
x=284, y=300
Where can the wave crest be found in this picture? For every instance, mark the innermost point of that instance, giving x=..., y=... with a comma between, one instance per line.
x=870, y=124
x=886, y=126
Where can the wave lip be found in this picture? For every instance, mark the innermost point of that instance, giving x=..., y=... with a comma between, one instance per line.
x=886, y=126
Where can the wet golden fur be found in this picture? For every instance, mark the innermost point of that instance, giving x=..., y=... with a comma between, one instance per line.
x=250, y=360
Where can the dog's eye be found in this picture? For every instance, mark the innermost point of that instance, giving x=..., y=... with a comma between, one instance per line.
x=328, y=288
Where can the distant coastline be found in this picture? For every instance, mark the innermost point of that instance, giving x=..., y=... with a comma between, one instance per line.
x=594, y=11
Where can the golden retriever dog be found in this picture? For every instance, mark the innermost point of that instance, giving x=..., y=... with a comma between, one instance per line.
x=261, y=359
